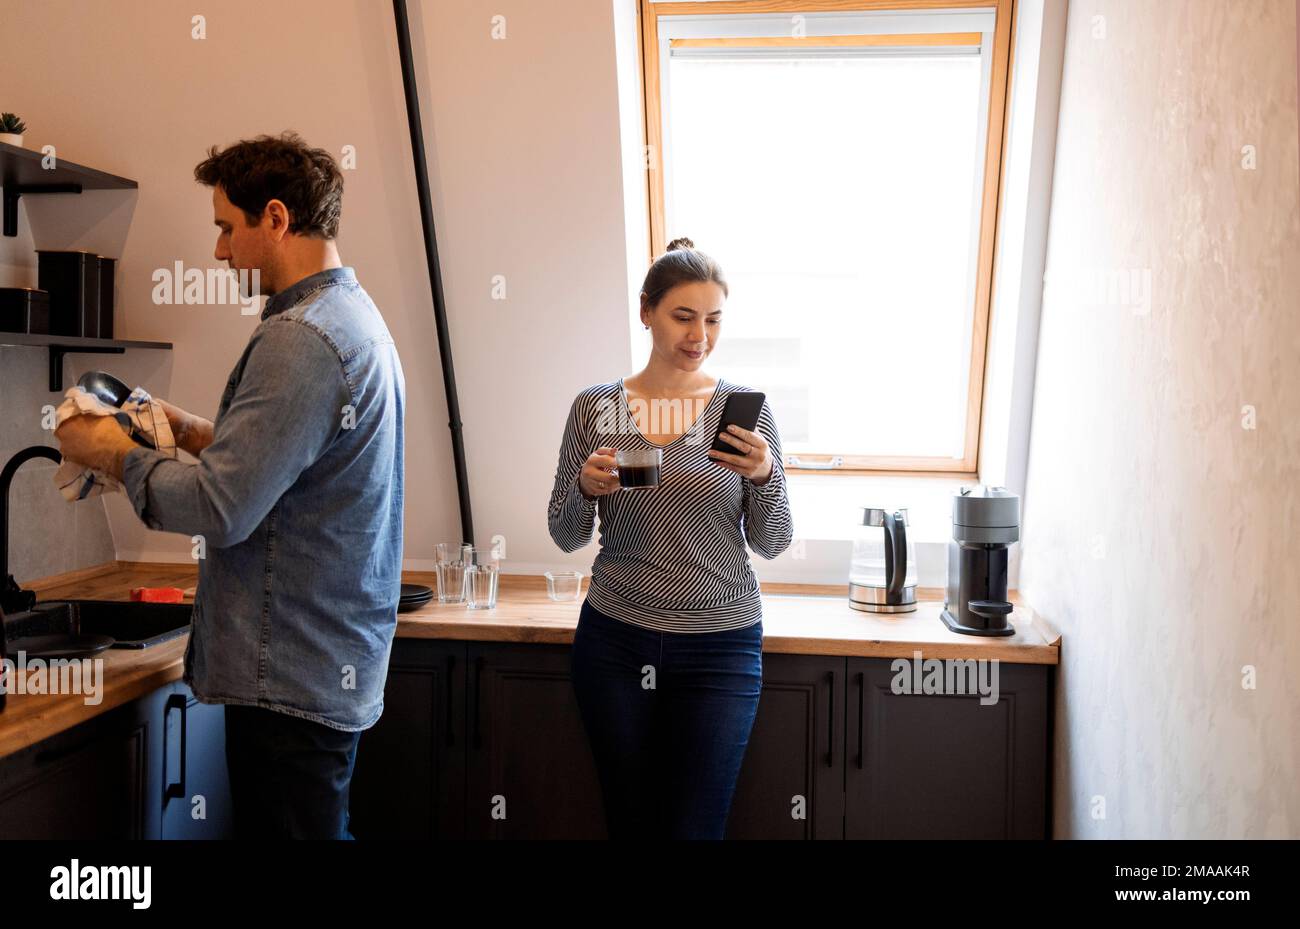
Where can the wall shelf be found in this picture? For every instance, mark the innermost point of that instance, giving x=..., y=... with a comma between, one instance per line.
x=61, y=345
x=21, y=173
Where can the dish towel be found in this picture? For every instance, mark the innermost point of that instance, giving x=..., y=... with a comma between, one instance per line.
x=140, y=415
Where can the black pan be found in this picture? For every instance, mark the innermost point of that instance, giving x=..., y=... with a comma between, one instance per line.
x=59, y=646
x=103, y=385
x=113, y=392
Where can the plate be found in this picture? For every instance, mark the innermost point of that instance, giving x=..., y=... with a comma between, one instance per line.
x=413, y=597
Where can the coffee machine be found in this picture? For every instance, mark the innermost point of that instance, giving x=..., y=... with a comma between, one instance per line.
x=985, y=521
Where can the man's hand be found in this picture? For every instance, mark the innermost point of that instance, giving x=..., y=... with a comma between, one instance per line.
x=96, y=442
x=192, y=433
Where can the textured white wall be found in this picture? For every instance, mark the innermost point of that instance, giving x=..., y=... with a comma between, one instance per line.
x=1161, y=536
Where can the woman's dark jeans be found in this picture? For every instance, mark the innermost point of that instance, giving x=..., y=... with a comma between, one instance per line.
x=668, y=716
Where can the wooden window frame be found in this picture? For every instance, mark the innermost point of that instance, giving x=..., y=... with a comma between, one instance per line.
x=967, y=466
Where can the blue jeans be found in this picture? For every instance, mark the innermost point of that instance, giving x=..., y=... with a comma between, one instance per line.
x=668, y=716
x=289, y=777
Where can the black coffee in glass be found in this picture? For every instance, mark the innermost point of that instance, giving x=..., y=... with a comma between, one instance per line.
x=638, y=476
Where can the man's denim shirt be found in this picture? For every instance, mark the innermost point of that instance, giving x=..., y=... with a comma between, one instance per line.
x=298, y=501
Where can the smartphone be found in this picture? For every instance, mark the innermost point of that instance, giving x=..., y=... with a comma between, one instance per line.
x=742, y=409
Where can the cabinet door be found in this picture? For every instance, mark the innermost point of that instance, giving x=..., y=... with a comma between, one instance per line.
x=531, y=773
x=791, y=784
x=935, y=765
x=89, y=782
x=409, y=778
x=195, y=780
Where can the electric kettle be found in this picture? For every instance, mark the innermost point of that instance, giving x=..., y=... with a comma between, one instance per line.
x=882, y=574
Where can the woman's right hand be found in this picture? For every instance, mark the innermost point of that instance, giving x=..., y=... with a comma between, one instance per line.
x=597, y=471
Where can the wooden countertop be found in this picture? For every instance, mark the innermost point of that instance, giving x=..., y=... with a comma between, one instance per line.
x=797, y=619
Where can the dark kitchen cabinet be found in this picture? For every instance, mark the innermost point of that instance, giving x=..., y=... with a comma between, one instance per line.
x=930, y=766
x=484, y=740
x=791, y=784
x=530, y=769
x=408, y=781
x=195, y=785
x=89, y=782
x=133, y=772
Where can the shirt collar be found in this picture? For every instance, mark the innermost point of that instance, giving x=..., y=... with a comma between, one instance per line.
x=293, y=295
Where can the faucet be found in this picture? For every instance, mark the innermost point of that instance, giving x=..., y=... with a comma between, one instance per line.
x=13, y=599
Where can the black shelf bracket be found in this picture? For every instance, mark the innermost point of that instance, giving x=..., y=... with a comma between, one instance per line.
x=13, y=191
x=56, y=360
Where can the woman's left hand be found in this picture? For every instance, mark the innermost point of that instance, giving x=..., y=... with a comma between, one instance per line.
x=751, y=460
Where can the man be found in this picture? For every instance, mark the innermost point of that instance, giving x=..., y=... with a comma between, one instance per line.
x=296, y=498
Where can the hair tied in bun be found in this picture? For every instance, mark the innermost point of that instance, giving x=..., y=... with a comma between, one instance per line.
x=681, y=263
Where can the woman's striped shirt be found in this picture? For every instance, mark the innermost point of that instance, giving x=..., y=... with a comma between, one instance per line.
x=671, y=559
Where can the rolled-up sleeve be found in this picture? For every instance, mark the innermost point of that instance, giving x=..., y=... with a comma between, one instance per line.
x=288, y=407
x=769, y=527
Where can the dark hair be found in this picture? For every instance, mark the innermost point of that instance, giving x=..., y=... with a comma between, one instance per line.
x=680, y=264
x=254, y=172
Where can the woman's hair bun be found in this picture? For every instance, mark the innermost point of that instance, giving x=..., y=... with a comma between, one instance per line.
x=681, y=263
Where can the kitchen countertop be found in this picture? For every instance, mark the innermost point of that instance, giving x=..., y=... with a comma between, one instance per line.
x=797, y=619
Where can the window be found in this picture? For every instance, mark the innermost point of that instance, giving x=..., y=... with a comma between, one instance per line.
x=841, y=160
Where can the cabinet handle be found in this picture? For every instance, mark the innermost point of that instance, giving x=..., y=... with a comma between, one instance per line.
x=478, y=676
x=175, y=702
x=451, y=692
x=862, y=687
x=830, y=721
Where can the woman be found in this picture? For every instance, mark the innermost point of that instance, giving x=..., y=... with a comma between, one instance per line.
x=667, y=657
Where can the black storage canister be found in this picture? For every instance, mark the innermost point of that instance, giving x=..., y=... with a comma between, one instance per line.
x=23, y=309
x=106, y=266
x=79, y=306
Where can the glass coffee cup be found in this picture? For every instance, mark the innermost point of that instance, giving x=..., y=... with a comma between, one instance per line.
x=639, y=468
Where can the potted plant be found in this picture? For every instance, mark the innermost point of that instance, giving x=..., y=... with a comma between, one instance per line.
x=11, y=128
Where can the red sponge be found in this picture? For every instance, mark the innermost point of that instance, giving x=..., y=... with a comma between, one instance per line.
x=157, y=594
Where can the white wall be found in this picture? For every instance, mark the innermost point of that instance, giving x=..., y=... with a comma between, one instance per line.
x=47, y=534
x=1160, y=535
x=523, y=139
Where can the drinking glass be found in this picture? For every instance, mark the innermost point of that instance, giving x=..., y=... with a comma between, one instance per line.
x=482, y=566
x=452, y=559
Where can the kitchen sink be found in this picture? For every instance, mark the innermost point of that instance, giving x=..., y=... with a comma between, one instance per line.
x=129, y=623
